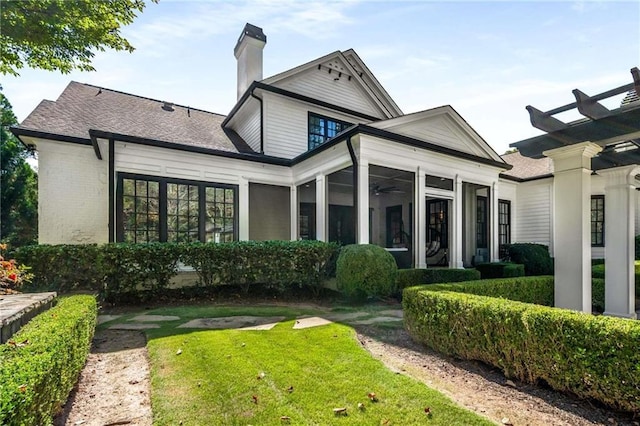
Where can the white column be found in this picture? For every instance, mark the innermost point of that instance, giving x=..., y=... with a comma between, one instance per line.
x=363, y=203
x=243, y=209
x=619, y=227
x=420, y=222
x=293, y=209
x=572, y=208
x=321, y=208
x=494, y=241
x=455, y=245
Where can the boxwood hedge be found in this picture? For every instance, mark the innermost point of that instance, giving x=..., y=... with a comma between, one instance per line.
x=589, y=356
x=500, y=270
x=410, y=277
x=40, y=365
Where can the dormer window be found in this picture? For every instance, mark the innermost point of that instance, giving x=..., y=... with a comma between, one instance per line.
x=321, y=129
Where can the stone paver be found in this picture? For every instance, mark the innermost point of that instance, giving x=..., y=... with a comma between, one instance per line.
x=261, y=327
x=346, y=316
x=392, y=313
x=133, y=326
x=154, y=318
x=376, y=320
x=309, y=322
x=106, y=318
x=239, y=321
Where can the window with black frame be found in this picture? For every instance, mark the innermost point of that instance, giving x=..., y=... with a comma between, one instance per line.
x=504, y=226
x=154, y=209
x=481, y=222
x=437, y=230
x=321, y=129
x=597, y=220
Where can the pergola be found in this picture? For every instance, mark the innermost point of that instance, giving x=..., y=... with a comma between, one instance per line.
x=606, y=142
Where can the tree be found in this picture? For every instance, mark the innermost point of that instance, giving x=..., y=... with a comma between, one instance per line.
x=18, y=185
x=62, y=35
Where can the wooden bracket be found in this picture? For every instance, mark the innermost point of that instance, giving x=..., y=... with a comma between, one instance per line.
x=589, y=107
x=544, y=121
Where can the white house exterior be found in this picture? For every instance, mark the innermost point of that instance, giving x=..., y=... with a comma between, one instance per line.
x=320, y=151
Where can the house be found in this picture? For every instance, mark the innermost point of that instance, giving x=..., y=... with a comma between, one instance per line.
x=320, y=151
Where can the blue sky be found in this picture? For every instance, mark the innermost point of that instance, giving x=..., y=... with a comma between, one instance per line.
x=486, y=59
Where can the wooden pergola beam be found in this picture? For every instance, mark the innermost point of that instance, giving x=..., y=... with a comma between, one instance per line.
x=635, y=73
x=590, y=107
x=544, y=121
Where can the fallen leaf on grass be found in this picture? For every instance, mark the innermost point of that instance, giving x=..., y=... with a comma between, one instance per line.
x=260, y=376
x=18, y=345
x=361, y=406
x=133, y=382
x=372, y=396
x=22, y=388
x=342, y=411
x=290, y=389
x=427, y=411
x=255, y=399
x=285, y=418
x=506, y=422
x=179, y=351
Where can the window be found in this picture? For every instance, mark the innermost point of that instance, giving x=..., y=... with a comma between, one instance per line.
x=481, y=222
x=597, y=220
x=322, y=129
x=438, y=229
x=504, y=226
x=152, y=209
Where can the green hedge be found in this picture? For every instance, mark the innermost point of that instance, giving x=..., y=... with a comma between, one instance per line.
x=136, y=271
x=598, y=271
x=589, y=356
x=534, y=257
x=366, y=270
x=500, y=270
x=410, y=277
x=40, y=365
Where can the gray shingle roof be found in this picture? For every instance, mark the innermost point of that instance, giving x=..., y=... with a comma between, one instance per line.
x=527, y=168
x=82, y=107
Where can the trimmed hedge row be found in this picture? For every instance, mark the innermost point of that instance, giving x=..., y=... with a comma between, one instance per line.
x=40, y=365
x=410, y=277
x=598, y=271
x=538, y=290
x=500, y=270
x=590, y=356
x=534, y=257
x=129, y=271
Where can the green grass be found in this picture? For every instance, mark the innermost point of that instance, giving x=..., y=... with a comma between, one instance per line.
x=214, y=379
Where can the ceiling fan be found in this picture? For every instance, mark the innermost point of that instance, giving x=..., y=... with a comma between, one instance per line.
x=377, y=189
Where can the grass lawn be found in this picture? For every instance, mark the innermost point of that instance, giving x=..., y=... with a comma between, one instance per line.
x=233, y=377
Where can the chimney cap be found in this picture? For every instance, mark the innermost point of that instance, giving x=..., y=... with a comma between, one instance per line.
x=250, y=31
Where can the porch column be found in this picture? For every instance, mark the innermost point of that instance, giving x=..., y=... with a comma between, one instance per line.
x=455, y=249
x=321, y=207
x=243, y=209
x=293, y=208
x=363, y=203
x=572, y=224
x=619, y=225
x=494, y=241
x=420, y=223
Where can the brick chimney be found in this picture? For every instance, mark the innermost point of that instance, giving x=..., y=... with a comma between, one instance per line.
x=248, y=52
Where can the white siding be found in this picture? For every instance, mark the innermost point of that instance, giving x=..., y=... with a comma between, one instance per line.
x=247, y=124
x=269, y=212
x=73, y=194
x=534, y=212
x=319, y=84
x=286, y=124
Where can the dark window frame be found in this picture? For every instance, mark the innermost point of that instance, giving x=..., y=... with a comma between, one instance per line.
x=163, y=200
x=326, y=130
x=482, y=219
x=438, y=221
x=597, y=233
x=504, y=226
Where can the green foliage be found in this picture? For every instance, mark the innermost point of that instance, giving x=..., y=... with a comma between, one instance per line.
x=129, y=272
x=410, y=277
x=18, y=184
x=366, y=270
x=61, y=35
x=597, y=294
x=589, y=356
x=637, y=247
x=500, y=270
x=598, y=271
x=534, y=257
x=40, y=365
x=537, y=289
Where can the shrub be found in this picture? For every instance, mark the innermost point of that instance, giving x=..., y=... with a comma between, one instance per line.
x=500, y=270
x=410, y=277
x=40, y=365
x=365, y=270
x=534, y=257
x=598, y=271
x=12, y=274
x=597, y=294
x=589, y=356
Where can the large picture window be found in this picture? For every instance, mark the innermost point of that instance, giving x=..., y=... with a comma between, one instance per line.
x=322, y=129
x=504, y=226
x=153, y=209
x=597, y=220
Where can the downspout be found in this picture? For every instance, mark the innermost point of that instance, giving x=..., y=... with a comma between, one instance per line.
x=112, y=217
x=354, y=160
x=261, y=121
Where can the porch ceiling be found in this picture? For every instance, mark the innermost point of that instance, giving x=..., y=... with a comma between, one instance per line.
x=617, y=131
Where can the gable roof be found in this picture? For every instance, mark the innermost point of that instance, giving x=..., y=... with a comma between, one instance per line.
x=441, y=126
x=83, y=107
x=338, y=61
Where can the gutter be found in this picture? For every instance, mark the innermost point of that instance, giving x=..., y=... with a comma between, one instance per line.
x=354, y=160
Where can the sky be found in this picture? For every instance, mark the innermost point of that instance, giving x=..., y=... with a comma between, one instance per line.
x=487, y=59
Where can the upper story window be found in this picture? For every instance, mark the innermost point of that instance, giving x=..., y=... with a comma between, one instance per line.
x=322, y=129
